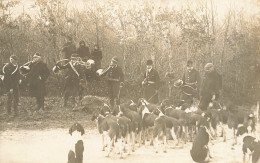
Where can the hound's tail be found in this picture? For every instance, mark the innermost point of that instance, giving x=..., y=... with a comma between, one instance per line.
x=257, y=112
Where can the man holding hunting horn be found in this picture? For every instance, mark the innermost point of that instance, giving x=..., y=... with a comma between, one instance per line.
x=115, y=79
x=11, y=77
x=75, y=80
x=37, y=74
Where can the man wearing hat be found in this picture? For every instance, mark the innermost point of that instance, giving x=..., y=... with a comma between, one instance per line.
x=151, y=83
x=96, y=55
x=74, y=80
x=37, y=76
x=83, y=51
x=115, y=80
x=10, y=82
x=69, y=48
x=191, y=77
x=211, y=85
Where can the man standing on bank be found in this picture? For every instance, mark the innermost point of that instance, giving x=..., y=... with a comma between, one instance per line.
x=191, y=78
x=151, y=83
x=69, y=48
x=97, y=56
x=37, y=77
x=74, y=80
x=83, y=51
x=11, y=81
x=115, y=81
x=211, y=86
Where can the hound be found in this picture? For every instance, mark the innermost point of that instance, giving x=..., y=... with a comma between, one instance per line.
x=252, y=146
x=200, y=150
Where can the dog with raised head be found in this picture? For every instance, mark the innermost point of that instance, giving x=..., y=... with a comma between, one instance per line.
x=148, y=118
x=113, y=129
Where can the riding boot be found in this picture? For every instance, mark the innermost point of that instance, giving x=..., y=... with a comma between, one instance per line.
x=65, y=102
x=9, y=102
x=42, y=102
x=38, y=101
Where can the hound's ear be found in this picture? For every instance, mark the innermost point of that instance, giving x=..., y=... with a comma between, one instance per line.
x=70, y=131
x=82, y=130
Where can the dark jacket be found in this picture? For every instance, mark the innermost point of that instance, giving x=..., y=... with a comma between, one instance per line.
x=68, y=49
x=11, y=76
x=151, y=85
x=37, y=77
x=212, y=83
x=191, y=77
x=115, y=74
x=83, y=52
x=73, y=77
x=97, y=56
x=152, y=77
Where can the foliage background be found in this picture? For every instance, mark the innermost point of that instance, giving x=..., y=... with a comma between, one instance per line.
x=138, y=30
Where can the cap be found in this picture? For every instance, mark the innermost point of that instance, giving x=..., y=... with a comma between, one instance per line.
x=37, y=55
x=178, y=83
x=189, y=62
x=82, y=42
x=149, y=62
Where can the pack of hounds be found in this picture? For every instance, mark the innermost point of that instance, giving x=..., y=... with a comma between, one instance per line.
x=130, y=125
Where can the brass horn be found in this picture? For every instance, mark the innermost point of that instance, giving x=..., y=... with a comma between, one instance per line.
x=101, y=72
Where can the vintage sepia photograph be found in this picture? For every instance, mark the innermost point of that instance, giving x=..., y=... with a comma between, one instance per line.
x=129, y=81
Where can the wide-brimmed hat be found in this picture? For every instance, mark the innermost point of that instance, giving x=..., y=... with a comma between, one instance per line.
x=178, y=83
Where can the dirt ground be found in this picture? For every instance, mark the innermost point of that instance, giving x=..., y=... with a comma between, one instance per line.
x=43, y=138
x=52, y=146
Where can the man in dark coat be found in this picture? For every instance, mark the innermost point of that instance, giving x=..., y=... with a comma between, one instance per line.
x=191, y=77
x=211, y=85
x=75, y=79
x=151, y=83
x=11, y=82
x=83, y=51
x=37, y=77
x=96, y=55
x=115, y=79
x=69, y=48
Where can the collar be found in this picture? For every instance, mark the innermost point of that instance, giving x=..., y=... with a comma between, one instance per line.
x=149, y=70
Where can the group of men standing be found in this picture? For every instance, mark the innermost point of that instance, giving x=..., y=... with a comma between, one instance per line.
x=191, y=86
x=37, y=73
x=83, y=52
